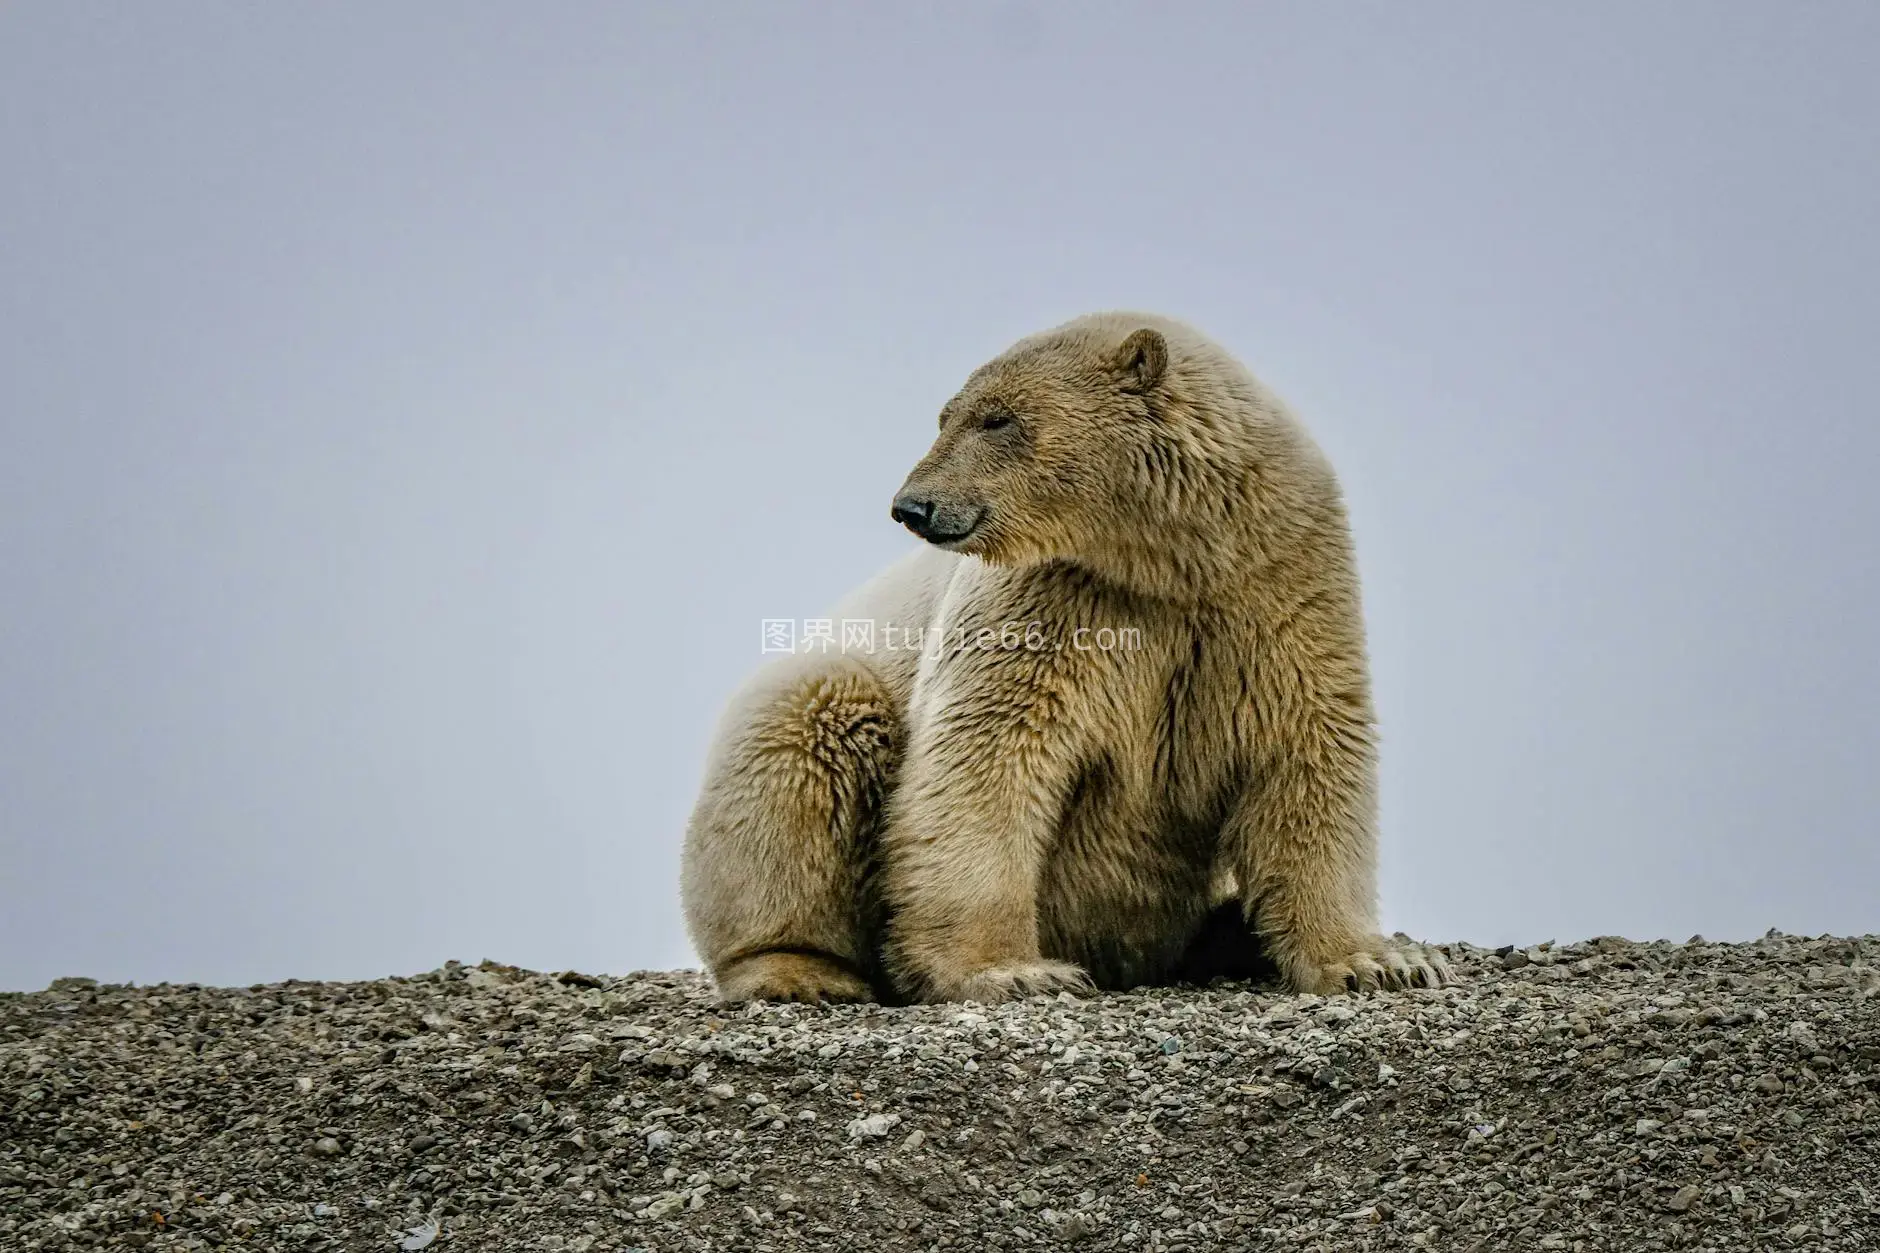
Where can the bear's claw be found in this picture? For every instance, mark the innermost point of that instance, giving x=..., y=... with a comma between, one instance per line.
x=1016, y=980
x=1382, y=965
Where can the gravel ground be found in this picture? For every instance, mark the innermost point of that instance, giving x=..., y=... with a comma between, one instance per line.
x=1598, y=1096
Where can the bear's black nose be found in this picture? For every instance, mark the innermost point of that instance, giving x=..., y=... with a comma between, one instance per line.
x=914, y=514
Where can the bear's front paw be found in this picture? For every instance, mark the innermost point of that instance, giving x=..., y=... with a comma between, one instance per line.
x=791, y=977
x=1011, y=981
x=1377, y=964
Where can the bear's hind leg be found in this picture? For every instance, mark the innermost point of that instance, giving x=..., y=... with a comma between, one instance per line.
x=781, y=974
x=777, y=877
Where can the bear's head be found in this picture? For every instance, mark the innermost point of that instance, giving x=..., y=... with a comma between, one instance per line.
x=1124, y=443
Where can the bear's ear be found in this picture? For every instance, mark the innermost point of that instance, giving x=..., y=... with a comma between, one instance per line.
x=1142, y=360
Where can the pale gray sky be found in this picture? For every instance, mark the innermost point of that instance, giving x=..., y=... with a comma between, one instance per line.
x=408, y=414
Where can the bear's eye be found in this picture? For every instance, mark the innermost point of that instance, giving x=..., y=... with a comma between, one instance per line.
x=997, y=420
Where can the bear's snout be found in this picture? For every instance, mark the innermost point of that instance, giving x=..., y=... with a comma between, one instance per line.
x=937, y=522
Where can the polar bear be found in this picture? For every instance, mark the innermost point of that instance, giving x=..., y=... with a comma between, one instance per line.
x=1111, y=723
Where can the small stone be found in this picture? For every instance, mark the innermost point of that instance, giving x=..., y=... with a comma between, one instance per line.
x=419, y=1237
x=666, y=1059
x=873, y=1126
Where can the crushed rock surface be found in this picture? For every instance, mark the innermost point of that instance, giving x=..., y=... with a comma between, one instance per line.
x=1605, y=1095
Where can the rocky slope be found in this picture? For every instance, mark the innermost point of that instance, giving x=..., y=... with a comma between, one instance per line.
x=1599, y=1096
